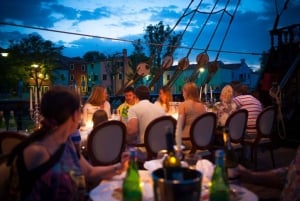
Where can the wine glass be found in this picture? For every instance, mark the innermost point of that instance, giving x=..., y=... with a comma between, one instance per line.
x=192, y=159
x=115, y=114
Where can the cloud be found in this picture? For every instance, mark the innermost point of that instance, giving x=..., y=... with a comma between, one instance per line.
x=249, y=31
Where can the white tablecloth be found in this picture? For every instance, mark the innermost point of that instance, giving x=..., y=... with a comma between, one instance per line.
x=104, y=191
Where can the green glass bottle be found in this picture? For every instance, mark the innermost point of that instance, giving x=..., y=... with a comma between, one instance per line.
x=171, y=162
x=132, y=190
x=231, y=159
x=2, y=122
x=12, y=125
x=219, y=189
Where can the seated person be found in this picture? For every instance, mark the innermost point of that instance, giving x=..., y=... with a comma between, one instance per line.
x=129, y=102
x=99, y=116
x=47, y=160
x=139, y=116
x=223, y=109
x=244, y=100
x=188, y=111
x=97, y=100
x=164, y=98
x=285, y=178
x=226, y=106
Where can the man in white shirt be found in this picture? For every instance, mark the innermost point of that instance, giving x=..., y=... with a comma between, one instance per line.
x=141, y=114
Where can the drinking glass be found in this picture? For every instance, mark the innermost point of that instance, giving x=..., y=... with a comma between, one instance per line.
x=192, y=159
x=162, y=154
x=115, y=114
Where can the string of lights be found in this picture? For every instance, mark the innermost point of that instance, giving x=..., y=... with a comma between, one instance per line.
x=123, y=40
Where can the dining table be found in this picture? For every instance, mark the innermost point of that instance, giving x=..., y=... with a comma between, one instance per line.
x=111, y=190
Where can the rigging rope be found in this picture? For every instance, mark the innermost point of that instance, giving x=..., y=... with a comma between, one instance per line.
x=227, y=30
x=276, y=94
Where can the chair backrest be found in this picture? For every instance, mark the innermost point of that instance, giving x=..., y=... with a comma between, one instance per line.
x=9, y=139
x=106, y=142
x=236, y=124
x=154, y=138
x=202, y=131
x=265, y=121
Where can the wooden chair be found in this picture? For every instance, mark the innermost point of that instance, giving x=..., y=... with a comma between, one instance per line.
x=202, y=133
x=236, y=124
x=106, y=142
x=154, y=138
x=8, y=140
x=264, y=128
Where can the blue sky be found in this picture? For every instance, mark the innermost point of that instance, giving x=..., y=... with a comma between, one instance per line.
x=127, y=20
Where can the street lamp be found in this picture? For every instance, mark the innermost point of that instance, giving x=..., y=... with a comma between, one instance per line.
x=38, y=77
x=3, y=52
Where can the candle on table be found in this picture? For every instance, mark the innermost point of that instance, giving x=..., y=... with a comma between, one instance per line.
x=40, y=95
x=178, y=134
x=211, y=94
x=200, y=95
x=205, y=89
x=35, y=96
x=30, y=98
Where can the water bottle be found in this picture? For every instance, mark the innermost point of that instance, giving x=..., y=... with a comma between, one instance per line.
x=219, y=189
x=231, y=160
x=12, y=125
x=132, y=190
x=171, y=162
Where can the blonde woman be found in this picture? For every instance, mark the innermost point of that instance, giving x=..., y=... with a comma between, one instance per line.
x=188, y=111
x=164, y=99
x=96, y=101
x=226, y=106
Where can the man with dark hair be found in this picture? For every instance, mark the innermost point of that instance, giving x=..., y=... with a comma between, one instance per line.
x=141, y=114
x=129, y=102
x=244, y=100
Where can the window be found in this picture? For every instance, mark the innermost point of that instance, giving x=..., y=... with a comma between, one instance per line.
x=83, y=67
x=92, y=66
x=71, y=66
x=71, y=77
x=62, y=77
x=95, y=77
x=120, y=76
x=104, y=77
x=168, y=77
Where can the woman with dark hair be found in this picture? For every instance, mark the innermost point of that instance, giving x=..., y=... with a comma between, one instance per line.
x=48, y=165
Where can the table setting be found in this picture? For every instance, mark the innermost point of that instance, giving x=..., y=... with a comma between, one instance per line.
x=111, y=190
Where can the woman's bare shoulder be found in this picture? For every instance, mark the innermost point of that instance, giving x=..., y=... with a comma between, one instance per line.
x=34, y=155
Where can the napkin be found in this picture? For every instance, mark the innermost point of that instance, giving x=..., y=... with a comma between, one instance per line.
x=206, y=168
x=153, y=164
x=157, y=163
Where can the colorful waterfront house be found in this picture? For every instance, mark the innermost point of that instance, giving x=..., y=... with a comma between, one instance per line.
x=224, y=74
x=93, y=74
x=78, y=75
x=115, y=72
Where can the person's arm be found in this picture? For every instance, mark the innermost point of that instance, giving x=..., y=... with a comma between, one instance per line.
x=96, y=173
x=272, y=178
x=132, y=126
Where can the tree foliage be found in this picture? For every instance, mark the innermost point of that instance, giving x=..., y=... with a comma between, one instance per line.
x=93, y=56
x=161, y=41
x=23, y=54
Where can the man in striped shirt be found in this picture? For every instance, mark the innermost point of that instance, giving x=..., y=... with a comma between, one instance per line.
x=244, y=100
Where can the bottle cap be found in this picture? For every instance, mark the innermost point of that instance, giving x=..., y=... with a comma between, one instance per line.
x=219, y=153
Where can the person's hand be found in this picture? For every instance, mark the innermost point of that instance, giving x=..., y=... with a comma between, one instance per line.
x=124, y=161
x=244, y=172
